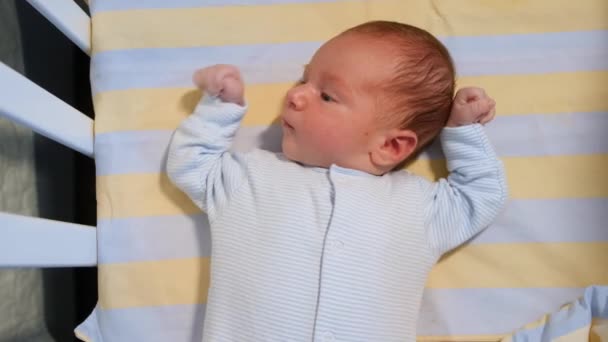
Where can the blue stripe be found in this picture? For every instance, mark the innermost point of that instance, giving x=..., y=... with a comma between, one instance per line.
x=146, y=151
x=131, y=152
x=488, y=311
x=173, y=67
x=151, y=324
x=552, y=134
x=524, y=221
x=530, y=53
x=537, y=135
x=544, y=135
x=153, y=238
x=549, y=220
x=274, y=63
x=122, y=5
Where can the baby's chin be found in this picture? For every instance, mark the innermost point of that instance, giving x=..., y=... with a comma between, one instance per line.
x=290, y=152
x=293, y=154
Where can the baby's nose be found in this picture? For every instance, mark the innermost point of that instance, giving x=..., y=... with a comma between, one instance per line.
x=296, y=98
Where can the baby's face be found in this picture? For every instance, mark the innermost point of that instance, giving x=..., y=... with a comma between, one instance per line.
x=331, y=115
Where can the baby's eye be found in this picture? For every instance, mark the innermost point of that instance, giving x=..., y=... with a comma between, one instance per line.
x=326, y=97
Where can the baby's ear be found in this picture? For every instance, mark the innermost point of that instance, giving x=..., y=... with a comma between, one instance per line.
x=396, y=146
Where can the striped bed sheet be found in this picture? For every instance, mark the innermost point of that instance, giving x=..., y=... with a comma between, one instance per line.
x=544, y=61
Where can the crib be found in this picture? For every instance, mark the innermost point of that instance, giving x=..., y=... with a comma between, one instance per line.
x=531, y=261
x=56, y=243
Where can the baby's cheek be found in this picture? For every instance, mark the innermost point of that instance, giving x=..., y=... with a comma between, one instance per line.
x=327, y=135
x=332, y=139
x=319, y=134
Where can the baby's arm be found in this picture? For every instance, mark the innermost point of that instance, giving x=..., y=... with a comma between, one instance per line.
x=198, y=160
x=475, y=191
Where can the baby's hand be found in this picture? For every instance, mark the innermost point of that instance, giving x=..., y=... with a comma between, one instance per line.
x=471, y=105
x=221, y=80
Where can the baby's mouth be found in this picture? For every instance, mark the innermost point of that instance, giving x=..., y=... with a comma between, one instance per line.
x=286, y=124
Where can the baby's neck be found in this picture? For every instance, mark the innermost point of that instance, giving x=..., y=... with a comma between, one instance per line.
x=369, y=169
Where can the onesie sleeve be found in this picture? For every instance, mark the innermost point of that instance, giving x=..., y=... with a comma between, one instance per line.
x=471, y=197
x=199, y=162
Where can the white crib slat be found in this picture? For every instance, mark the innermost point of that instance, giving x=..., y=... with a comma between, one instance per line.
x=68, y=18
x=34, y=242
x=26, y=103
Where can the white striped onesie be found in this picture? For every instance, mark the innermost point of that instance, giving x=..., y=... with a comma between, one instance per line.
x=311, y=254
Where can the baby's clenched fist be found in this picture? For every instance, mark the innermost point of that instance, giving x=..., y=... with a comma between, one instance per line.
x=223, y=81
x=471, y=105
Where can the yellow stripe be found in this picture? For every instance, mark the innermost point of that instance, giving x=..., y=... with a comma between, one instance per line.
x=599, y=330
x=578, y=335
x=82, y=336
x=570, y=265
x=150, y=109
x=545, y=93
x=185, y=281
x=143, y=109
x=579, y=176
x=166, y=282
x=165, y=108
x=576, y=176
x=133, y=195
x=150, y=194
x=280, y=23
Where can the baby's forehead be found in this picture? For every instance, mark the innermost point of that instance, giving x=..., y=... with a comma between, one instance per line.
x=355, y=50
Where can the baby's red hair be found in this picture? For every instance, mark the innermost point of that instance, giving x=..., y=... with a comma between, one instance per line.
x=421, y=91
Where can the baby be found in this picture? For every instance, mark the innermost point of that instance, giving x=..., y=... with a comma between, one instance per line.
x=324, y=242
